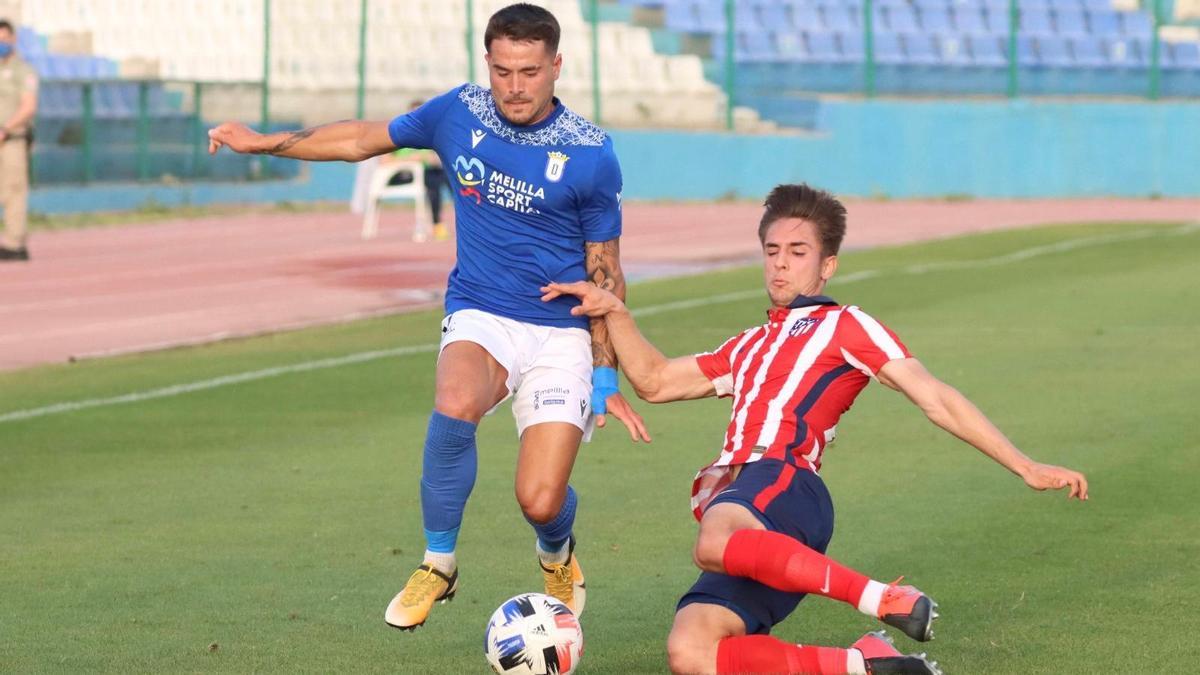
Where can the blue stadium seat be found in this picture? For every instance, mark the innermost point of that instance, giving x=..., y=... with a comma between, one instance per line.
x=807, y=17
x=997, y=20
x=1053, y=52
x=1104, y=23
x=970, y=21
x=680, y=16
x=710, y=17
x=841, y=18
x=888, y=48
x=776, y=15
x=900, y=19
x=1105, y=5
x=1035, y=22
x=952, y=50
x=924, y=5
x=755, y=46
x=745, y=17
x=1137, y=25
x=1027, y=52
x=1068, y=22
x=918, y=49
x=986, y=51
x=789, y=46
x=1126, y=53
x=936, y=21
x=1182, y=55
x=852, y=47
x=823, y=47
x=1089, y=52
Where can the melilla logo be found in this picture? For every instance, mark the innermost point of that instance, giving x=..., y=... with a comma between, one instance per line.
x=470, y=174
x=500, y=189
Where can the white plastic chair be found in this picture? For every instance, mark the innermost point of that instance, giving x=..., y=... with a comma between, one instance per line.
x=379, y=189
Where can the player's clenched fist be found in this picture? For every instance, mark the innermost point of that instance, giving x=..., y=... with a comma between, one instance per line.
x=239, y=138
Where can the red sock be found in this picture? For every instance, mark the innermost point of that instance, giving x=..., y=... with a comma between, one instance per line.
x=765, y=654
x=785, y=564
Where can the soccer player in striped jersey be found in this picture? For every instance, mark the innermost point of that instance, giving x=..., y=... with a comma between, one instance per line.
x=765, y=515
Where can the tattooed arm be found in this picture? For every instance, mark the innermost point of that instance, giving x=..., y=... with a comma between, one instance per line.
x=348, y=141
x=603, y=266
x=604, y=269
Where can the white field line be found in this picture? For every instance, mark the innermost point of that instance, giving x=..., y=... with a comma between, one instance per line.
x=363, y=357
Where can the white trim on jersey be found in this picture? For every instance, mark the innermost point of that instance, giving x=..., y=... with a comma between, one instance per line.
x=857, y=364
x=804, y=362
x=877, y=333
x=738, y=383
x=761, y=375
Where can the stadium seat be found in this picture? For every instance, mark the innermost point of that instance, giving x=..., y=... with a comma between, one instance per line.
x=680, y=16
x=789, y=46
x=1035, y=22
x=841, y=18
x=1125, y=53
x=936, y=21
x=888, y=49
x=986, y=51
x=807, y=17
x=998, y=20
x=970, y=20
x=899, y=19
x=1104, y=23
x=1184, y=56
x=919, y=50
x=1089, y=52
x=1053, y=52
x=952, y=50
x=852, y=47
x=1068, y=22
x=822, y=47
x=710, y=17
x=1136, y=25
x=777, y=16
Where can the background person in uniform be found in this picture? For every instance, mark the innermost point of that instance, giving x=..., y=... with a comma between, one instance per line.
x=18, y=104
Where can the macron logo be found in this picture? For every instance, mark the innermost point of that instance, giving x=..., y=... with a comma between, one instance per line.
x=476, y=137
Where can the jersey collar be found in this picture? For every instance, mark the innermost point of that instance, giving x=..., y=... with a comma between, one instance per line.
x=801, y=301
x=550, y=119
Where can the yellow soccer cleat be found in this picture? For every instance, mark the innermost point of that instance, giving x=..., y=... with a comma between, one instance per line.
x=565, y=581
x=426, y=586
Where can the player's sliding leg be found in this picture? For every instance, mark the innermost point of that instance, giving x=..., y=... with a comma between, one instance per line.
x=548, y=453
x=447, y=477
x=872, y=654
x=734, y=540
x=711, y=638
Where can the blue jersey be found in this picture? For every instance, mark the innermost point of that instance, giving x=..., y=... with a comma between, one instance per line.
x=526, y=198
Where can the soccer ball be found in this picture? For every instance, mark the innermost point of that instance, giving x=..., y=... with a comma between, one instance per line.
x=533, y=634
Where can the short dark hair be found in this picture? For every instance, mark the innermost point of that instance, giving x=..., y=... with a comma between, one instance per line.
x=6, y=24
x=523, y=22
x=818, y=207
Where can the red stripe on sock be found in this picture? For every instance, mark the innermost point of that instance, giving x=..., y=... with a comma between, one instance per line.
x=764, y=498
x=785, y=564
x=764, y=654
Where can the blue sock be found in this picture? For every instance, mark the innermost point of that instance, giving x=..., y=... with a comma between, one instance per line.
x=554, y=534
x=447, y=476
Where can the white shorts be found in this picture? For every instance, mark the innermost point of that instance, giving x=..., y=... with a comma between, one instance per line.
x=549, y=368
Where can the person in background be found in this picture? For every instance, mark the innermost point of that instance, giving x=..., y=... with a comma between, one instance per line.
x=435, y=180
x=18, y=105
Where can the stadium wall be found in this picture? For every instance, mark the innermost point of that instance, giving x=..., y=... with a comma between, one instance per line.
x=896, y=149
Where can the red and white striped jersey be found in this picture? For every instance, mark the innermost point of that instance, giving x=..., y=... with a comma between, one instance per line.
x=791, y=379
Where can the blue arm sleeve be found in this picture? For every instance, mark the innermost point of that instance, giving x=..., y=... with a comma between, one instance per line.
x=601, y=213
x=417, y=128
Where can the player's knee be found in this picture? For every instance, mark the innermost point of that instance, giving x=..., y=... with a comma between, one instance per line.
x=688, y=655
x=709, y=553
x=540, y=503
x=459, y=403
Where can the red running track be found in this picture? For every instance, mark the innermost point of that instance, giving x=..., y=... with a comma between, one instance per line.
x=114, y=290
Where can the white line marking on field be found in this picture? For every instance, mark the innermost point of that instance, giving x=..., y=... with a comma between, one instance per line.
x=734, y=296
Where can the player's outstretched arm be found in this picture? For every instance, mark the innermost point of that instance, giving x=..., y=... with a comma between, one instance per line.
x=654, y=377
x=347, y=141
x=946, y=407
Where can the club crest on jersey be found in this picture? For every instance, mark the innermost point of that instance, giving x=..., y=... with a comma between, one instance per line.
x=555, y=166
x=802, y=326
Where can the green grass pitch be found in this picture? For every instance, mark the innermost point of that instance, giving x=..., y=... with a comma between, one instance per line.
x=264, y=525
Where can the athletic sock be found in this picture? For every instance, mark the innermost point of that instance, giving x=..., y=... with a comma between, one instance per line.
x=765, y=654
x=445, y=563
x=554, y=536
x=785, y=564
x=447, y=477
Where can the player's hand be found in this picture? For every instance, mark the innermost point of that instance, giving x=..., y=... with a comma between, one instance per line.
x=619, y=408
x=594, y=301
x=1050, y=477
x=238, y=137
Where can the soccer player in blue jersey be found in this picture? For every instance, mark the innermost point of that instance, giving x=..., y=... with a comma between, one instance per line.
x=537, y=199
